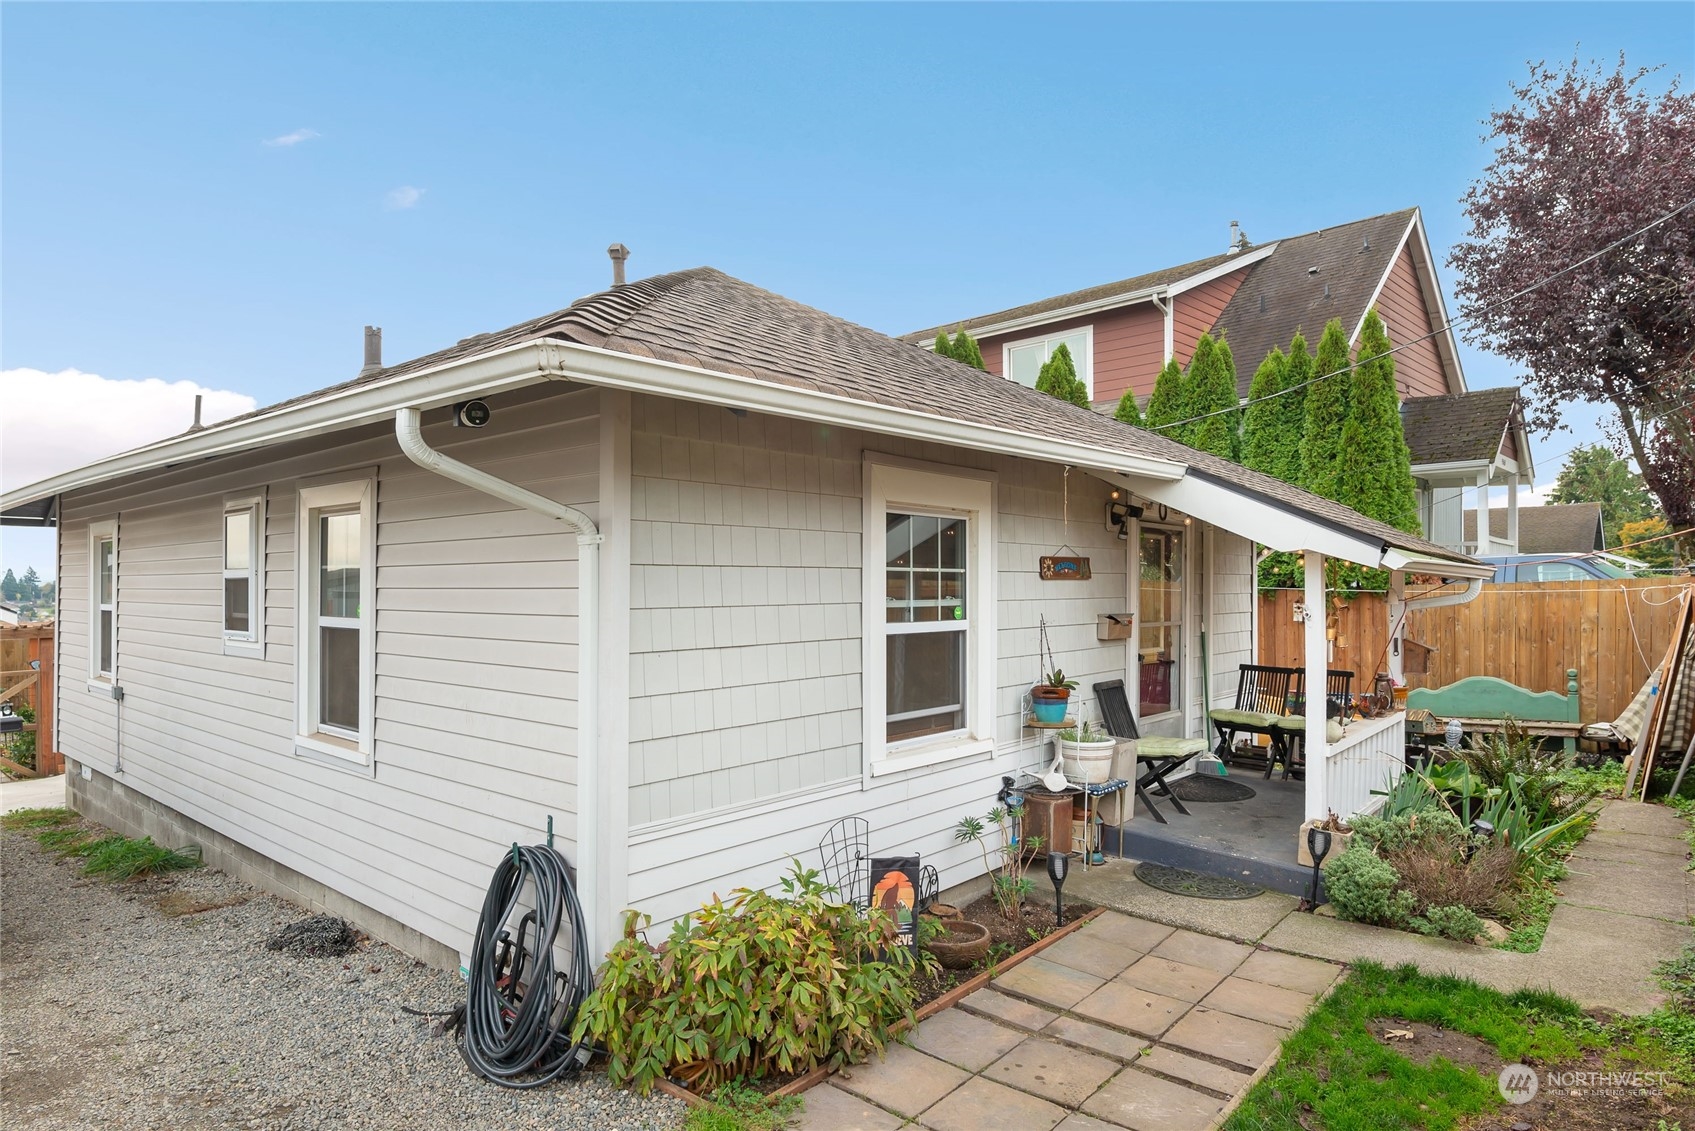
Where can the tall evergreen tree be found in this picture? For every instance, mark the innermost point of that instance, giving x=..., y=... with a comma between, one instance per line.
x=1291, y=414
x=9, y=587
x=965, y=349
x=29, y=585
x=1166, y=405
x=1058, y=378
x=1378, y=478
x=1262, y=443
x=1127, y=410
x=1328, y=402
x=944, y=345
x=1212, y=390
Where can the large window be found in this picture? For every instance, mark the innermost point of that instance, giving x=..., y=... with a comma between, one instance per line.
x=1161, y=619
x=103, y=600
x=244, y=597
x=1024, y=360
x=336, y=652
x=929, y=639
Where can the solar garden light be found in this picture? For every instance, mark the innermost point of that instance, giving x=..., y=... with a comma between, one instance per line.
x=1059, y=863
x=1318, y=844
x=1480, y=830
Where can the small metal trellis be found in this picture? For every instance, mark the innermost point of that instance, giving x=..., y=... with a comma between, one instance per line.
x=846, y=849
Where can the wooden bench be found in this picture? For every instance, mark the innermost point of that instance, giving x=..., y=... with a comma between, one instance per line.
x=1485, y=703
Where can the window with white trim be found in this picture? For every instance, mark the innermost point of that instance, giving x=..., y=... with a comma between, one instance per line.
x=335, y=653
x=1024, y=360
x=1160, y=620
x=102, y=599
x=929, y=637
x=244, y=594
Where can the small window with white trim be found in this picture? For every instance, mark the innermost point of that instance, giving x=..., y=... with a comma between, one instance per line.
x=335, y=655
x=928, y=636
x=1024, y=360
x=103, y=600
x=244, y=594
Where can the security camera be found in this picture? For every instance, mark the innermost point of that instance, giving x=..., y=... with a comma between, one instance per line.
x=471, y=414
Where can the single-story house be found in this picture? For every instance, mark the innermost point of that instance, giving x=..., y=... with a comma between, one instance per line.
x=688, y=568
x=1553, y=528
x=1257, y=297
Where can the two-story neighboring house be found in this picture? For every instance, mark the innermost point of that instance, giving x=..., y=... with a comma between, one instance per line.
x=1257, y=296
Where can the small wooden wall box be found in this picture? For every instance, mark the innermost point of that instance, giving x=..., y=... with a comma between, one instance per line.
x=1114, y=626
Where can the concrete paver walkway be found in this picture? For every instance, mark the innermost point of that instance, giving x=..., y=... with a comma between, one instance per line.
x=1125, y=1023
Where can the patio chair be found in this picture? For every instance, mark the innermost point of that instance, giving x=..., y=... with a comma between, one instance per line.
x=1156, y=757
x=1262, y=697
x=1288, y=740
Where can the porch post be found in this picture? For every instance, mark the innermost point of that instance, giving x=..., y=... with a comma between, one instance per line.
x=1397, y=625
x=1512, y=513
x=1484, y=545
x=1317, y=664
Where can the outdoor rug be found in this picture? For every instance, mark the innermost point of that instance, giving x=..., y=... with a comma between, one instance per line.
x=1210, y=787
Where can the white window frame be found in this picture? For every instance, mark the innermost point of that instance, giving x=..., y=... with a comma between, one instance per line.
x=251, y=642
x=908, y=486
x=311, y=738
x=1185, y=614
x=1085, y=364
x=98, y=532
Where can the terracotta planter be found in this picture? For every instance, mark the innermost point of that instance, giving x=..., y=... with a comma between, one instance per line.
x=964, y=943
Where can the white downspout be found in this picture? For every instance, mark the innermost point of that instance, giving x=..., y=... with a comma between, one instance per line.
x=1166, y=307
x=1473, y=587
x=408, y=432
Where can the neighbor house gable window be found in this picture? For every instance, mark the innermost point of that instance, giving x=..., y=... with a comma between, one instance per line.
x=102, y=600
x=1024, y=359
x=244, y=571
x=335, y=651
x=929, y=613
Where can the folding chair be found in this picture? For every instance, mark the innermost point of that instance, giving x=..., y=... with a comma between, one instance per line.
x=1156, y=757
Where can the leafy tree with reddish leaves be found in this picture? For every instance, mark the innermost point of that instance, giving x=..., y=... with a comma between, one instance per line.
x=1583, y=159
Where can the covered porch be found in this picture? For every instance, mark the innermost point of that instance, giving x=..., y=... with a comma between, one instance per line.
x=1256, y=838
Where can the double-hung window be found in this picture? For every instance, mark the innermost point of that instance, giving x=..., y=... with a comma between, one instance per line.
x=1024, y=359
x=929, y=661
x=244, y=594
x=102, y=600
x=335, y=649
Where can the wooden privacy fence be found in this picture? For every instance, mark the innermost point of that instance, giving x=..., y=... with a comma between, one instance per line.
x=23, y=684
x=1612, y=632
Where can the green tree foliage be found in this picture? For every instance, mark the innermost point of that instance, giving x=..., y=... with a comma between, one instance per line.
x=1377, y=480
x=1167, y=404
x=944, y=345
x=1212, y=392
x=1327, y=404
x=1595, y=474
x=9, y=587
x=1659, y=554
x=961, y=347
x=1058, y=378
x=1127, y=411
x=29, y=585
x=1262, y=443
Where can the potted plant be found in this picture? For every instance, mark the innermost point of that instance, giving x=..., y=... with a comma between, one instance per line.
x=1051, y=696
x=1086, y=753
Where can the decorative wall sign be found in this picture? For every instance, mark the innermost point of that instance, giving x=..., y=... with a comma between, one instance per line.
x=1056, y=567
x=894, y=888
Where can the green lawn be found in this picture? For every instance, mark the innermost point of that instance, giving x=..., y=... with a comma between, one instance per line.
x=1337, y=1075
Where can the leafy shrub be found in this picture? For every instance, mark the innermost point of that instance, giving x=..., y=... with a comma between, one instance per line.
x=1540, y=773
x=1007, y=880
x=1451, y=921
x=761, y=984
x=1441, y=864
x=1366, y=888
x=1391, y=834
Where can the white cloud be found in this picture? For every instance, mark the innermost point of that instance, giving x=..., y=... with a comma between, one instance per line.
x=403, y=197
x=290, y=139
x=55, y=422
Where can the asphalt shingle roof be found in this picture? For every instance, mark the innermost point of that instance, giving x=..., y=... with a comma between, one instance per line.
x=707, y=319
x=1557, y=528
x=1460, y=427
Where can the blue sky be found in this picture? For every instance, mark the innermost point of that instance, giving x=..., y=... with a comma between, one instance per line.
x=460, y=168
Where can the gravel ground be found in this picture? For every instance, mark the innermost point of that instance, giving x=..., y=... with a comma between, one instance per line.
x=116, y=1015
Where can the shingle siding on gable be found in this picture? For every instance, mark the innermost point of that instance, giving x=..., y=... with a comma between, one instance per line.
x=1418, y=367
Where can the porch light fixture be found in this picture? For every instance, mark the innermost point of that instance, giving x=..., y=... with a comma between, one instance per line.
x=1059, y=863
x=1118, y=516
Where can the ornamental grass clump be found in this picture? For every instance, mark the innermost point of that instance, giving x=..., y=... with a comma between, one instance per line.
x=762, y=985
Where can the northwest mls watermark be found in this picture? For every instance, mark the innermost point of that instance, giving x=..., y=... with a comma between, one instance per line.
x=1519, y=1084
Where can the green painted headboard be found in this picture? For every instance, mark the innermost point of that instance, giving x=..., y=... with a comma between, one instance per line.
x=1486, y=697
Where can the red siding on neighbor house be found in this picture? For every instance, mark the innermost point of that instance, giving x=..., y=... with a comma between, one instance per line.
x=1129, y=348
x=1418, y=367
x=1197, y=310
x=1509, y=445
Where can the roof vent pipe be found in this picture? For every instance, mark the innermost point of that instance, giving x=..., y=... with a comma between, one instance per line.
x=373, y=351
x=1238, y=239
x=196, y=426
x=618, y=253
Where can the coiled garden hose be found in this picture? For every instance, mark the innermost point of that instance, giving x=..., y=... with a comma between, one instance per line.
x=519, y=1009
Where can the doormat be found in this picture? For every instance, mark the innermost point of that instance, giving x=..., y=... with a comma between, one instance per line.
x=1210, y=787
x=1181, y=881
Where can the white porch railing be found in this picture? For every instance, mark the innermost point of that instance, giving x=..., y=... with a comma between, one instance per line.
x=1370, y=756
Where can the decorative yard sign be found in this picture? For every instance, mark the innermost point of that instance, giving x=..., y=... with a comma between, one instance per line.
x=1057, y=567
x=894, y=888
